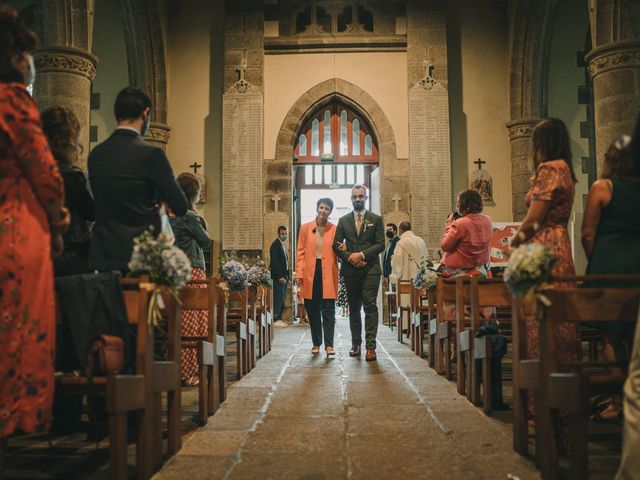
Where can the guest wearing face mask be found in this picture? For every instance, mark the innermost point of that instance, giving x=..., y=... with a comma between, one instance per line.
x=32, y=222
x=279, y=266
x=130, y=179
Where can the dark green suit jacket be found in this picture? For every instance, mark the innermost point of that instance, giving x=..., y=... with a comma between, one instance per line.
x=370, y=242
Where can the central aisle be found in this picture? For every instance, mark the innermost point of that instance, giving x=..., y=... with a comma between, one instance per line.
x=301, y=417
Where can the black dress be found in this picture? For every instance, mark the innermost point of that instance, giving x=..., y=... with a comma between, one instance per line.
x=77, y=239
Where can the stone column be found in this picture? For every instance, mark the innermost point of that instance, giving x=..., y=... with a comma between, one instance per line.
x=63, y=77
x=158, y=135
x=615, y=68
x=520, y=132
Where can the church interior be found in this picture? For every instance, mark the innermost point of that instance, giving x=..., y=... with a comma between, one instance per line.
x=279, y=107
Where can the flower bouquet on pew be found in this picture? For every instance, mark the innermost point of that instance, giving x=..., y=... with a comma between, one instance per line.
x=426, y=276
x=258, y=274
x=168, y=268
x=233, y=272
x=529, y=270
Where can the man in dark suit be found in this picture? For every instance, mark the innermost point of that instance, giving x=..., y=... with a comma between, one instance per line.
x=129, y=180
x=279, y=266
x=392, y=235
x=363, y=232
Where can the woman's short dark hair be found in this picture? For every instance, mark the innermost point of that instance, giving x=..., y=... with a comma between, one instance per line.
x=327, y=201
x=130, y=103
x=62, y=128
x=15, y=39
x=551, y=142
x=190, y=185
x=469, y=201
x=617, y=160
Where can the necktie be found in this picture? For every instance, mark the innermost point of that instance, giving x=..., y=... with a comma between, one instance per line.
x=358, y=222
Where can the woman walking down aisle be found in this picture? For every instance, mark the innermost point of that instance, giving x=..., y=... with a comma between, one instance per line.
x=32, y=221
x=317, y=275
x=550, y=200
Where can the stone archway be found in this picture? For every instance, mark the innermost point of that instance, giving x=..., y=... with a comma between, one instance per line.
x=277, y=173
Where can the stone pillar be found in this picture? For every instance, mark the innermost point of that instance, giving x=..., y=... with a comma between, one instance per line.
x=158, y=135
x=615, y=68
x=520, y=132
x=63, y=77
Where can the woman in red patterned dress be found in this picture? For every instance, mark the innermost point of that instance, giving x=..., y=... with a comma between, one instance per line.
x=550, y=200
x=31, y=222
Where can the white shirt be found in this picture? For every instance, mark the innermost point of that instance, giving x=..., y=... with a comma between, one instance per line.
x=124, y=127
x=286, y=257
x=361, y=212
x=408, y=255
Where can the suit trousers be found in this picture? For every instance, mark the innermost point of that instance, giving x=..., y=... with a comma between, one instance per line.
x=279, y=292
x=362, y=290
x=321, y=311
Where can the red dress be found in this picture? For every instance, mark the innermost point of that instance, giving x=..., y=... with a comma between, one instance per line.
x=30, y=185
x=554, y=184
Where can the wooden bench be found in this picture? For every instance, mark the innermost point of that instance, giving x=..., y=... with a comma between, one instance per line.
x=237, y=322
x=480, y=293
x=443, y=331
x=403, y=288
x=422, y=306
x=570, y=391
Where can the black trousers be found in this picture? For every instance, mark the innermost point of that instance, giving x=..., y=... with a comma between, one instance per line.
x=279, y=292
x=362, y=291
x=321, y=312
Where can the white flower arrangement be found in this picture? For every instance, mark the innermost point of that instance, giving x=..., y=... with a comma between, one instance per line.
x=426, y=277
x=168, y=267
x=529, y=268
x=258, y=274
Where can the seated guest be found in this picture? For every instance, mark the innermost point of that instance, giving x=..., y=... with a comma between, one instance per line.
x=191, y=237
x=129, y=179
x=409, y=253
x=610, y=231
x=62, y=129
x=466, y=240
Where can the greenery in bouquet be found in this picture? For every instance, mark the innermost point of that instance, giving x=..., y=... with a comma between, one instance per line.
x=528, y=269
x=258, y=273
x=168, y=268
x=233, y=272
x=426, y=276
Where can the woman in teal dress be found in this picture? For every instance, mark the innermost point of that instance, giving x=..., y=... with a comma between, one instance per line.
x=610, y=233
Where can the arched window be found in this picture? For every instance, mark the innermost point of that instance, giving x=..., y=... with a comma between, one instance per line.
x=336, y=134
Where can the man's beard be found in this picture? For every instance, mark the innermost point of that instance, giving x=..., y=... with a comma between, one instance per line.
x=357, y=206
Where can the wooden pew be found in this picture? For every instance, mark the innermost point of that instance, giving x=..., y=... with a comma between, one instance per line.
x=261, y=321
x=403, y=287
x=391, y=317
x=421, y=305
x=444, y=338
x=237, y=322
x=202, y=295
x=252, y=330
x=570, y=391
x=220, y=314
x=480, y=293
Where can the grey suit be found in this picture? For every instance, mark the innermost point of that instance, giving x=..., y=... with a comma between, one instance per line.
x=362, y=283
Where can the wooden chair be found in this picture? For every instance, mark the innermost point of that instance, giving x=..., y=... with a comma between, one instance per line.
x=252, y=331
x=220, y=314
x=391, y=317
x=482, y=292
x=202, y=295
x=419, y=318
x=444, y=338
x=261, y=321
x=403, y=287
x=570, y=392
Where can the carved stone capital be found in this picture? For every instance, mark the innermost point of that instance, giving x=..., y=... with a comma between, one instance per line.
x=625, y=54
x=67, y=60
x=158, y=132
x=522, y=127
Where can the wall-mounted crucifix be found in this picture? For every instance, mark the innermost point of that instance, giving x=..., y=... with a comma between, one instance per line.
x=482, y=182
x=242, y=85
x=429, y=68
x=276, y=200
x=479, y=162
x=396, y=201
x=195, y=166
x=427, y=82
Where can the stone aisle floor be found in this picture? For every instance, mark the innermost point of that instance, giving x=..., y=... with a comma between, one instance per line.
x=301, y=417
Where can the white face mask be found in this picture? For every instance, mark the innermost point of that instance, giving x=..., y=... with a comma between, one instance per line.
x=30, y=74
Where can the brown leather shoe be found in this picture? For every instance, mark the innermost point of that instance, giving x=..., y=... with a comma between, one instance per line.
x=355, y=351
x=371, y=356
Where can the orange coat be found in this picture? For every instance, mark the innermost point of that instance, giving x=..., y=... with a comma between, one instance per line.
x=306, y=261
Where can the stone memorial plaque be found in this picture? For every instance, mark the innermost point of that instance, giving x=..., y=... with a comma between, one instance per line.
x=430, y=162
x=242, y=171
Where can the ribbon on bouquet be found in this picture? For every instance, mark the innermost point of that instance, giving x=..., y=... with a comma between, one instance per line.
x=156, y=303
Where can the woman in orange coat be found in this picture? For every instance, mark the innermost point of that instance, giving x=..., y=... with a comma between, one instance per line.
x=317, y=275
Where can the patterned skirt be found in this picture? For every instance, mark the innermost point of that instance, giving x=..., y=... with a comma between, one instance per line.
x=194, y=323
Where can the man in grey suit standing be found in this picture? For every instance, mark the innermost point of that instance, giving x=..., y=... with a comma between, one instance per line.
x=364, y=235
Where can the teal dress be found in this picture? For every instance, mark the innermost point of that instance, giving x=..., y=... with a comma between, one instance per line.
x=616, y=249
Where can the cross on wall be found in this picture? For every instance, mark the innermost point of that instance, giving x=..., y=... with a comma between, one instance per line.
x=479, y=162
x=396, y=200
x=276, y=201
x=428, y=67
x=195, y=166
